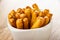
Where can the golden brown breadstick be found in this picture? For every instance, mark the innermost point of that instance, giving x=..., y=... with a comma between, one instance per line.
x=46, y=20
x=27, y=7
x=49, y=15
x=28, y=13
x=26, y=23
x=23, y=10
x=37, y=12
x=12, y=13
x=34, y=16
x=46, y=11
x=19, y=23
x=22, y=16
x=38, y=23
x=12, y=22
x=19, y=10
x=43, y=20
x=41, y=14
x=32, y=12
x=10, y=16
x=17, y=15
x=35, y=7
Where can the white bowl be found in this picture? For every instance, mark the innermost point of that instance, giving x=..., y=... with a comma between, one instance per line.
x=31, y=34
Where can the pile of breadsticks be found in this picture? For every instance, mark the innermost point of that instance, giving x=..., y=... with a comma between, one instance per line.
x=29, y=18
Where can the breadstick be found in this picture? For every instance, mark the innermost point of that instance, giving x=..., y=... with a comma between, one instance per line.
x=49, y=15
x=10, y=16
x=22, y=16
x=41, y=14
x=23, y=10
x=26, y=23
x=38, y=23
x=35, y=7
x=28, y=13
x=17, y=15
x=46, y=20
x=37, y=12
x=12, y=13
x=46, y=11
x=19, y=23
x=12, y=22
x=19, y=10
x=34, y=16
x=27, y=7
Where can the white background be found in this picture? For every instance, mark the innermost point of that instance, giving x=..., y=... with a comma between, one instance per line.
x=53, y=5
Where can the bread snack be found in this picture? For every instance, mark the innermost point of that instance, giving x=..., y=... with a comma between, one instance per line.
x=35, y=7
x=22, y=16
x=12, y=22
x=38, y=23
x=46, y=20
x=46, y=11
x=28, y=13
x=17, y=15
x=29, y=18
x=12, y=14
x=19, y=10
x=34, y=16
x=19, y=23
x=41, y=14
x=26, y=23
x=49, y=15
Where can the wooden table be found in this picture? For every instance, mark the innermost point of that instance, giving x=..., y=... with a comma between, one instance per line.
x=5, y=34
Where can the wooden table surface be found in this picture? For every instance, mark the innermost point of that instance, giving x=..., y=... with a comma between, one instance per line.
x=5, y=34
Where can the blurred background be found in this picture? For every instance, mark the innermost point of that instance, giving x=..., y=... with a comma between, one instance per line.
x=53, y=5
